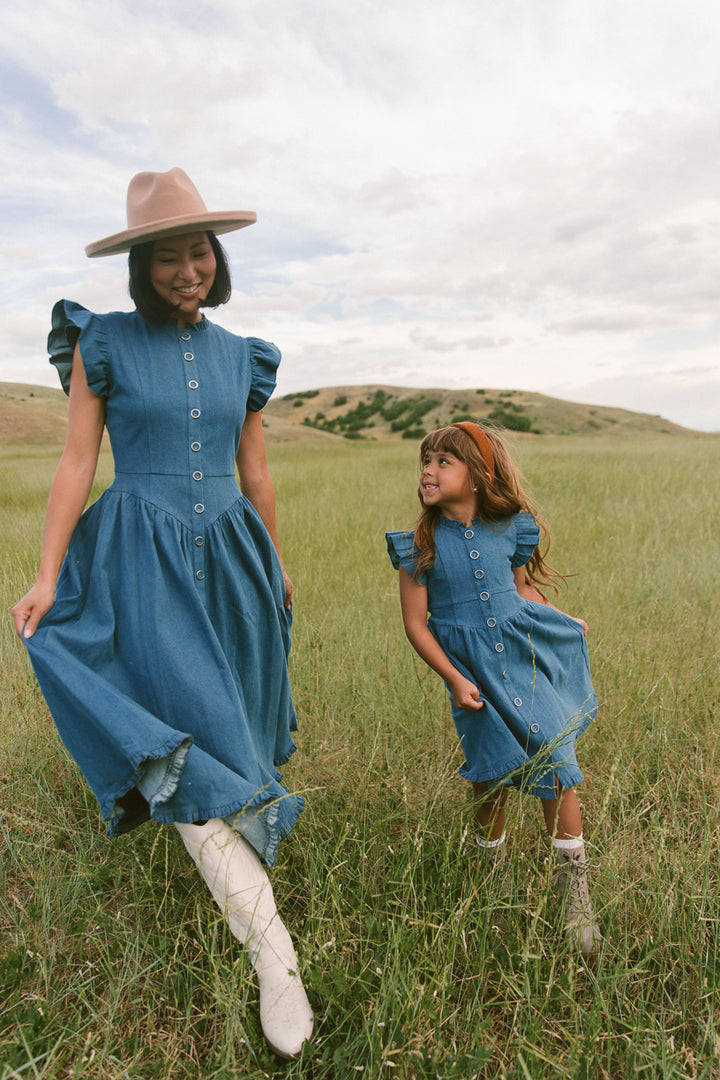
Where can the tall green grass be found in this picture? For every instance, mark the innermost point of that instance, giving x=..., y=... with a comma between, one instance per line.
x=115, y=964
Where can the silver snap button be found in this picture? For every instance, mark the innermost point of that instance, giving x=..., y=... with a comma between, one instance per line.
x=517, y=701
x=185, y=336
x=193, y=384
x=199, y=508
x=484, y=595
x=534, y=728
x=469, y=534
x=492, y=622
x=199, y=574
x=499, y=647
x=474, y=554
x=194, y=413
x=197, y=476
x=479, y=574
x=189, y=356
x=195, y=446
x=199, y=541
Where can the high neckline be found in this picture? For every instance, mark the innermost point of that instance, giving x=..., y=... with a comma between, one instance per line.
x=453, y=523
x=172, y=327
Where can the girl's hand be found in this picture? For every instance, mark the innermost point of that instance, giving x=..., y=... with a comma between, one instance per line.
x=529, y=592
x=28, y=612
x=465, y=694
x=413, y=600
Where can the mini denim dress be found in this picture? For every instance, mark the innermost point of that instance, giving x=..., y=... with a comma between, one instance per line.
x=164, y=659
x=529, y=661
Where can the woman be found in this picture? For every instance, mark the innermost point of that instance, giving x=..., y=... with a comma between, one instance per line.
x=159, y=624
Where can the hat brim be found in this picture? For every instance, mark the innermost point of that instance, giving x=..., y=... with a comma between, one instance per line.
x=217, y=222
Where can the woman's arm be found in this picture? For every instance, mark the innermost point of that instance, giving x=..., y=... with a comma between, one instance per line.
x=413, y=601
x=68, y=495
x=256, y=483
x=529, y=592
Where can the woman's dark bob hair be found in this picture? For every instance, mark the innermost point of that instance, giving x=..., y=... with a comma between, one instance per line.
x=150, y=305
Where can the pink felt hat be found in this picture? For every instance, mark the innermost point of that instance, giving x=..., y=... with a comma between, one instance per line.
x=166, y=204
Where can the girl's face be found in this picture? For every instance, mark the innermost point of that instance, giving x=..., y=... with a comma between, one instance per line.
x=445, y=482
x=182, y=272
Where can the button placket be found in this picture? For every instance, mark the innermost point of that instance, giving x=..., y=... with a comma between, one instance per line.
x=484, y=595
x=195, y=463
x=485, y=598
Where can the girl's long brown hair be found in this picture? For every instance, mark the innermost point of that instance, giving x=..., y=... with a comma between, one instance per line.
x=495, y=502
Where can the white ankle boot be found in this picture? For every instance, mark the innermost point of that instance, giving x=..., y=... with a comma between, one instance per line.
x=241, y=888
x=580, y=924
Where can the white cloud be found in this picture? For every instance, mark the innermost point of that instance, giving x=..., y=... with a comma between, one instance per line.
x=688, y=398
x=523, y=192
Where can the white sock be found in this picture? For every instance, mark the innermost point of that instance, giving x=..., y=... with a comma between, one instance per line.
x=570, y=844
x=488, y=844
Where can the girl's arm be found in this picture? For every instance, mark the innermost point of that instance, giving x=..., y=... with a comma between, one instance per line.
x=529, y=592
x=68, y=495
x=256, y=483
x=413, y=601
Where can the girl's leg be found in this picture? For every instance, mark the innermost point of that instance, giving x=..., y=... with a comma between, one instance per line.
x=489, y=810
x=563, y=820
x=490, y=818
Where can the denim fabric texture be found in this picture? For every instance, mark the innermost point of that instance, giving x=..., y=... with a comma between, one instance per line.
x=529, y=661
x=164, y=657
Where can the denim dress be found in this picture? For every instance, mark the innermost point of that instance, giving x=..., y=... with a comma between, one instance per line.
x=164, y=657
x=529, y=661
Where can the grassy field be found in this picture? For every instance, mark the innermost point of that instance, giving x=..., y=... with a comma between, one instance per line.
x=114, y=963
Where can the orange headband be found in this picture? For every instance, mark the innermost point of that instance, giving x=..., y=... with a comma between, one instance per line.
x=482, y=442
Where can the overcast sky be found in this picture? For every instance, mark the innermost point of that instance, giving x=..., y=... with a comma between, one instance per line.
x=482, y=193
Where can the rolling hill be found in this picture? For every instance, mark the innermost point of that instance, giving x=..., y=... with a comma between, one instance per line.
x=38, y=414
x=394, y=412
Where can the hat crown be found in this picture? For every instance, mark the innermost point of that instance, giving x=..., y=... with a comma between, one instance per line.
x=156, y=196
x=161, y=204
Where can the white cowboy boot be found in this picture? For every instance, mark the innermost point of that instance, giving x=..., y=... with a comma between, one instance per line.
x=580, y=925
x=241, y=888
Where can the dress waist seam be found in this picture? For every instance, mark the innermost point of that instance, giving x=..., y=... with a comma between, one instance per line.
x=180, y=476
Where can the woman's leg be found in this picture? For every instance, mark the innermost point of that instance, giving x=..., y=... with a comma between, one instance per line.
x=241, y=888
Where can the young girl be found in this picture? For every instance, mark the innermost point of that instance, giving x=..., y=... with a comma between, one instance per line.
x=516, y=667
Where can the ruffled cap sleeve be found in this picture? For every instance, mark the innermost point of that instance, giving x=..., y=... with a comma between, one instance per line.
x=402, y=551
x=72, y=322
x=264, y=360
x=527, y=537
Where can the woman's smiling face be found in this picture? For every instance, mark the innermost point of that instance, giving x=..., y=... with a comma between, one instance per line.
x=182, y=272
